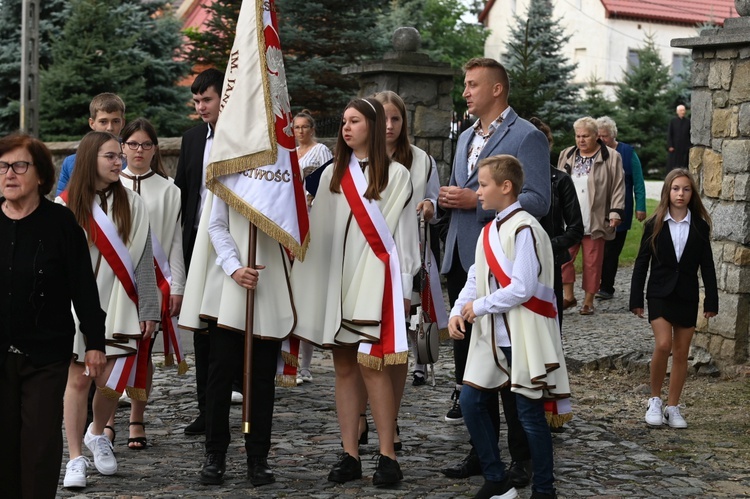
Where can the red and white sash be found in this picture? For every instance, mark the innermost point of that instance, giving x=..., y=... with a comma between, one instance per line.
x=393, y=343
x=172, y=344
x=543, y=302
x=287, y=362
x=117, y=256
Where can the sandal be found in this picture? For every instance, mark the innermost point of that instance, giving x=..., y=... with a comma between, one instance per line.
x=141, y=441
x=114, y=433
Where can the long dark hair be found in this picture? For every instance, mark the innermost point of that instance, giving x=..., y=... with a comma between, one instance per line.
x=402, y=152
x=82, y=187
x=695, y=205
x=142, y=124
x=377, y=156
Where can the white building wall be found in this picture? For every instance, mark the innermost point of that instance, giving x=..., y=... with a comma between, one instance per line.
x=599, y=45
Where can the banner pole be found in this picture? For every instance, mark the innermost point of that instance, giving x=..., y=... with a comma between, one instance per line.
x=248, y=354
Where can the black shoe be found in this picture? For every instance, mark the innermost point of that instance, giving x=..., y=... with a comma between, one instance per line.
x=387, y=471
x=418, y=378
x=498, y=490
x=470, y=466
x=348, y=468
x=197, y=427
x=363, y=437
x=519, y=473
x=540, y=495
x=455, y=415
x=258, y=471
x=214, y=468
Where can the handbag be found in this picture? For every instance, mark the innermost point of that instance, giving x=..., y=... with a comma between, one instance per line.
x=427, y=333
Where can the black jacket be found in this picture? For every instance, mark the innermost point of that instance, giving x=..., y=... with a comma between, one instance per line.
x=189, y=178
x=670, y=276
x=563, y=223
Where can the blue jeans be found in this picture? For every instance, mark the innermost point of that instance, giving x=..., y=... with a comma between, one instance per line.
x=474, y=406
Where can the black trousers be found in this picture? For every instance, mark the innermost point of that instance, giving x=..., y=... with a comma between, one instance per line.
x=31, y=419
x=456, y=279
x=227, y=351
x=612, y=250
x=202, y=350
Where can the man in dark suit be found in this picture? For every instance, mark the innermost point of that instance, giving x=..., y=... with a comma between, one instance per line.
x=191, y=179
x=498, y=130
x=678, y=140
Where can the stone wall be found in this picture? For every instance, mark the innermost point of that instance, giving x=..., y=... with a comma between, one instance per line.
x=720, y=161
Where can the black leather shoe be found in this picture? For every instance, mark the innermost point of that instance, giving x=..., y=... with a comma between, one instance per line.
x=197, y=427
x=519, y=473
x=540, y=495
x=470, y=466
x=387, y=472
x=492, y=489
x=348, y=468
x=214, y=468
x=258, y=471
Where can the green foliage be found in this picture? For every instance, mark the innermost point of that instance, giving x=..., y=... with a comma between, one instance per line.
x=319, y=39
x=645, y=99
x=594, y=103
x=52, y=14
x=540, y=74
x=210, y=46
x=446, y=37
x=129, y=48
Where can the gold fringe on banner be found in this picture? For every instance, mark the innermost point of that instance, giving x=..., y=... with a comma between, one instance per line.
x=261, y=221
x=370, y=361
x=394, y=359
x=137, y=394
x=290, y=359
x=109, y=393
x=286, y=380
x=557, y=420
x=444, y=334
x=182, y=367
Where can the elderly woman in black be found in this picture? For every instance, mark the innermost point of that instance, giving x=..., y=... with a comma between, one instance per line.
x=44, y=267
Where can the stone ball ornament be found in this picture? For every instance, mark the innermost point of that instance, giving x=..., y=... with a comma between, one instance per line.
x=406, y=39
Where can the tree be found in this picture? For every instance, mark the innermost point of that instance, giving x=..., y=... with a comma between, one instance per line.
x=211, y=44
x=52, y=14
x=644, y=100
x=594, y=103
x=534, y=53
x=446, y=37
x=319, y=39
x=129, y=48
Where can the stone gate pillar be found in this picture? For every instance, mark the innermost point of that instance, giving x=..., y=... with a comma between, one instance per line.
x=424, y=85
x=720, y=161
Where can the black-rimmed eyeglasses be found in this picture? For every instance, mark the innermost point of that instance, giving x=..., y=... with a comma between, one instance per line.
x=18, y=167
x=135, y=145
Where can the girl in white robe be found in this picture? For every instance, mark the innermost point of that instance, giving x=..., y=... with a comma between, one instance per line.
x=145, y=175
x=96, y=184
x=354, y=305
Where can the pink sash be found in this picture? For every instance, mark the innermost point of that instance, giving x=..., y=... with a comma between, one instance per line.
x=392, y=347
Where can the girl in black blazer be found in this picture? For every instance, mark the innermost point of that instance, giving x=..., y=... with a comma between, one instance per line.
x=676, y=242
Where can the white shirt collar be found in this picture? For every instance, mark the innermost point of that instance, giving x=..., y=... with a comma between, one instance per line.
x=510, y=209
x=668, y=217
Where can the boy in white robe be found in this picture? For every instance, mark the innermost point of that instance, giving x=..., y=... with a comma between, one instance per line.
x=509, y=298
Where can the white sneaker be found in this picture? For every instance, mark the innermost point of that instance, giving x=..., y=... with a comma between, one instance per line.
x=75, y=472
x=236, y=397
x=653, y=414
x=104, y=456
x=305, y=375
x=673, y=418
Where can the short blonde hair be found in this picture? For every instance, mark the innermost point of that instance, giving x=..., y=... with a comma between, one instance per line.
x=504, y=167
x=588, y=123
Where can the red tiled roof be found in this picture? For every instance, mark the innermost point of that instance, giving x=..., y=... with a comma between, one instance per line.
x=689, y=12
x=671, y=11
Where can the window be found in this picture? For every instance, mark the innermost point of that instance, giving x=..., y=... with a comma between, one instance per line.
x=680, y=67
x=633, y=60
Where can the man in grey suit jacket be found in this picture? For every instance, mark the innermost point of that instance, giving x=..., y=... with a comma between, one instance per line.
x=498, y=130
